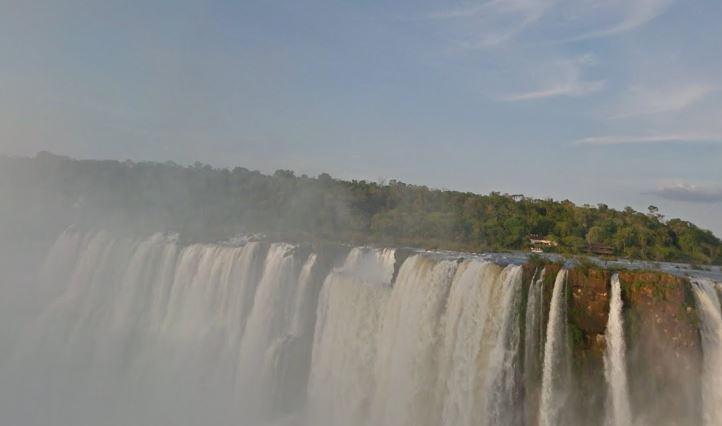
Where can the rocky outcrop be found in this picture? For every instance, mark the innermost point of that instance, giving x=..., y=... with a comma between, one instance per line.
x=588, y=314
x=662, y=336
x=664, y=348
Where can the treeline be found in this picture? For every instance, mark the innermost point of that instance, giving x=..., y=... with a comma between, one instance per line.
x=203, y=203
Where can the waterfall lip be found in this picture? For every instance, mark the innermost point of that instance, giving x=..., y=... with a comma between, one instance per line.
x=390, y=335
x=505, y=258
x=368, y=266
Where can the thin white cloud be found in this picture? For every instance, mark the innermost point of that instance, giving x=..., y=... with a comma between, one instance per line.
x=493, y=9
x=652, y=139
x=572, y=89
x=494, y=22
x=462, y=12
x=565, y=80
x=645, y=100
x=634, y=14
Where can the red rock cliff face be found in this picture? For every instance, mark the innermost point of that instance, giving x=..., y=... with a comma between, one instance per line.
x=588, y=313
x=664, y=350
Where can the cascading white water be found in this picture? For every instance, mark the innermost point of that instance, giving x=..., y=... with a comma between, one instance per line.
x=138, y=327
x=533, y=345
x=350, y=307
x=442, y=343
x=406, y=365
x=710, y=313
x=149, y=331
x=275, y=350
x=268, y=323
x=465, y=326
x=615, y=364
x=555, y=373
x=503, y=384
x=533, y=325
x=478, y=351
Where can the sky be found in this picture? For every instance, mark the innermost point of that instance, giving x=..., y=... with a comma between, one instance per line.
x=616, y=102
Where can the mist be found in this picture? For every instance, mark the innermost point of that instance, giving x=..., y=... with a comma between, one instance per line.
x=148, y=293
x=335, y=213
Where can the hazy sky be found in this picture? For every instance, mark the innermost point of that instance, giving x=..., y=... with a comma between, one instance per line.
x=596, y=101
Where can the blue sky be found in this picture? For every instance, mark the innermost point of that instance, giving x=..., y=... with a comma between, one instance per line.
x=596, y=101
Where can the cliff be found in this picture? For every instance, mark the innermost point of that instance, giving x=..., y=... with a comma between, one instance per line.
x=661, y=333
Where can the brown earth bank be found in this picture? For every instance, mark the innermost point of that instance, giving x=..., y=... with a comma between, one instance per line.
x=661, y=333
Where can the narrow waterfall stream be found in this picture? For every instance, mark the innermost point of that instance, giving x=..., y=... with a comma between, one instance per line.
x=615, y=364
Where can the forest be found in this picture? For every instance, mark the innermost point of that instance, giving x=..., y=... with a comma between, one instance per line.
x=202, y=203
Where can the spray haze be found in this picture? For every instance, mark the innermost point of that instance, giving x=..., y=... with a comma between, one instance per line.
x=188, y=295
x=147, y=278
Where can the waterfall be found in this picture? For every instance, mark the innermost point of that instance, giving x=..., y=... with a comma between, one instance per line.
x=406, y=365
x=710, y=314
x=152, y=331
x=137, y=328
x=503, y=385
x=349, y=317
x=615, y=365
x=438, y=347
x=480, y=345
x=533, y=345
x=555, y=374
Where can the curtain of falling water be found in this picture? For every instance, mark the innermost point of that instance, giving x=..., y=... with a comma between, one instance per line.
x=556, y=371
x=615, y=364
x=708, y=304
x=149, y=332
x=533, y=346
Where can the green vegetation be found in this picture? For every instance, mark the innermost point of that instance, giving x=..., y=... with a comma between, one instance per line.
x=585, y=265
x=203, y=203
x=536, y=262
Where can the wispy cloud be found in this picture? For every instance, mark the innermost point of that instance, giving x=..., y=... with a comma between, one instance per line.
x=571, y=89
x=496, y=21
x=647, y=100
x=633, y=14
x=652, y=139
x=462, y=12
x=689, y=193
x=565, y=80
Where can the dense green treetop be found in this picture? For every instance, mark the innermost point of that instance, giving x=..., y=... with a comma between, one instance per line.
x=203, y=203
